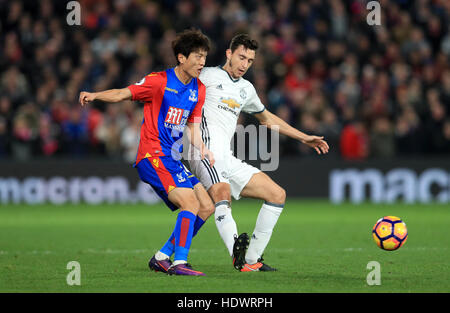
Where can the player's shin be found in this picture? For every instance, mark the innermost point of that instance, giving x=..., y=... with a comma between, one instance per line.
x=184, y=229
x=225, y=224
x=169, y=248
x=265, y=223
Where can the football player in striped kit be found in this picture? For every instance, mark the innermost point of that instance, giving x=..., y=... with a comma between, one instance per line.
x=227, y=94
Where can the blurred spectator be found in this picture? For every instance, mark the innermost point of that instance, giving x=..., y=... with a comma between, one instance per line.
x=14, y=85
x=410, y=138
x=382, y=139
x=445, y=89
x=446, y=131
x=110, y=129
x=354, y=141
x=6, y=111
x=4, y=138
x=22, y=139
x=310, y=125
x=75, y=137
x=330, y=128
x=129, y=139
x=434, y=126
x=288, y=146
x=48, y=136
x=94, y=120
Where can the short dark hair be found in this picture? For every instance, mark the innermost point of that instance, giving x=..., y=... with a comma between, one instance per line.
x=245, y=40
x=188, y=41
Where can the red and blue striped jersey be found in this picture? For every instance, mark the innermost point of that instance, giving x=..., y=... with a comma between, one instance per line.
x=168, y=106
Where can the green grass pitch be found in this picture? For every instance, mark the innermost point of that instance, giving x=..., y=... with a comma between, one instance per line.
x=316, y=246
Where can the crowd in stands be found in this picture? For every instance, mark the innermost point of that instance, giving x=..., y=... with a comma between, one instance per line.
x=373, y=91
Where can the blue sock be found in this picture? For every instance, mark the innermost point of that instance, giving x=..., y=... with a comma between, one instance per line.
x=184, y=228
x=169, y=247
x=198, y=224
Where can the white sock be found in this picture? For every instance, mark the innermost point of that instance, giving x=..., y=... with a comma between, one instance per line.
x=225, y=224
x=161, y=256
x=175, y=263
x=267, y=218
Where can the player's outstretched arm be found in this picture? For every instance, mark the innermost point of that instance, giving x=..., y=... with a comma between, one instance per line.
x=273, y=122
x=111, y=95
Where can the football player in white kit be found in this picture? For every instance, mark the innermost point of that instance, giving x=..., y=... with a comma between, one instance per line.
x=227, y=94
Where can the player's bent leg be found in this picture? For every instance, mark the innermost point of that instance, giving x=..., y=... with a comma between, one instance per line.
x=189, y=205
x=160, y=262
x=185, y=199
x=226, y=225
x=261, y=186
x=219, y=192
x=207, y=207
x=221, y=195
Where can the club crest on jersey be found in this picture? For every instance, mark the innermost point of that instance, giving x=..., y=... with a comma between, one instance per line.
x=243, y=94
x=180, y=177
x=193, y=96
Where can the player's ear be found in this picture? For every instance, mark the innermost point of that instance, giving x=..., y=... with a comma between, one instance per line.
x=228, y=53
x=181, y=58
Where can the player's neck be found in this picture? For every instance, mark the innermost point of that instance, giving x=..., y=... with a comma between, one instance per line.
x=227, y=68
x=182, y=76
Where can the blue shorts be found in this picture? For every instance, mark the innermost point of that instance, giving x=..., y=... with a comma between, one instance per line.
x=165, y=174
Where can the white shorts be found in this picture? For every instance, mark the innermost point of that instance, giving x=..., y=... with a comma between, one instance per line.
x=227, y=169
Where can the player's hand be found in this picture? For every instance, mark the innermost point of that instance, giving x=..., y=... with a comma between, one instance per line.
x=86, y=97
x=317, y=143
x=210, y=156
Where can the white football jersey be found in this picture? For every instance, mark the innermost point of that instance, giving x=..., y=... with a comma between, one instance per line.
x=225, y=99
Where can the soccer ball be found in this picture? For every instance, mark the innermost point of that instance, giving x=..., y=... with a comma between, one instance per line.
x=390, y=233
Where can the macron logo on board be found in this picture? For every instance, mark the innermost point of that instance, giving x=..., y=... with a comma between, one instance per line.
x=399, y=184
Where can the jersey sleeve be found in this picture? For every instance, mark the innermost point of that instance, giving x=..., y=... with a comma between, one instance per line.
x=196, y=114
x=205, y=76
x=144, y=89
x=253, y=104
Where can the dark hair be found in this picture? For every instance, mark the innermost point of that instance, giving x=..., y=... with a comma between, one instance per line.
x=188, y=41
x=245, y=40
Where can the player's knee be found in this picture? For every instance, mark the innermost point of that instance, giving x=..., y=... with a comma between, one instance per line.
x=195, y=204
x=277, y=195
x=220, y=192
x=190, y=203
x=207, y=209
